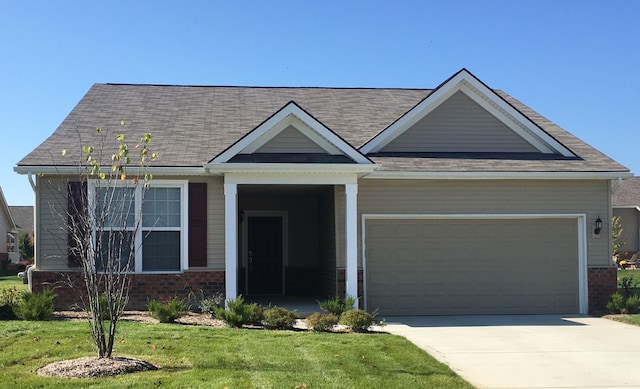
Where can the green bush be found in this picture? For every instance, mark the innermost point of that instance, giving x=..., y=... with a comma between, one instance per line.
x=619, y=303
x=357, y=319
x=9, y=299
x=167, y=312
x=627, y=286
x=209, y=304
x=239, y=313
x=104, y=306
x=338, y=305
x=321, y=321
x=35, y=306
x=279, y=318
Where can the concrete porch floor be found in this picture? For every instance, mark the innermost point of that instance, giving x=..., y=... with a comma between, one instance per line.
x=304, y=305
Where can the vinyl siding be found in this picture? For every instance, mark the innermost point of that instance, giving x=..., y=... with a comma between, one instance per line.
x=215, y=221
x=51, y=234
x=630, y=220
x=290, y=140
x=459, y=125
x=489, y=197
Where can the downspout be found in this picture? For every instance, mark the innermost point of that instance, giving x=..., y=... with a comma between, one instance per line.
x=616, y=185
x=35, y=232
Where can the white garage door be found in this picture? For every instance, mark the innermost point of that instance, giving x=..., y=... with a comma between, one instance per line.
x=471, y=266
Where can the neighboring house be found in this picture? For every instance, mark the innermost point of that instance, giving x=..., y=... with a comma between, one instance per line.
x=8, y=234
x=626, y=205
x=454, y=200
x=23, y=217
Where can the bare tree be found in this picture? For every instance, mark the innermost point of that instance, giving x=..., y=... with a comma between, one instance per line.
x=104, y=217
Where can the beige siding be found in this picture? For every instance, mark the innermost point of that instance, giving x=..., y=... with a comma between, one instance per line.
x=459, y=125
x=630, y=220
x=51, y=235
x=215, y=221
x=488, y=197
x=290, y=140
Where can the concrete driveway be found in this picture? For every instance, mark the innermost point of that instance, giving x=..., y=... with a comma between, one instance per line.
x=529, y=351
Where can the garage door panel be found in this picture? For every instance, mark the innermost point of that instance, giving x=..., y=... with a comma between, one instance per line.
x=472, y=266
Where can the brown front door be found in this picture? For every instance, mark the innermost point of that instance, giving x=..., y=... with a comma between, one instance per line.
x=265, y=270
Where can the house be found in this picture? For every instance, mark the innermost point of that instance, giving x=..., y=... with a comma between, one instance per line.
x=8, y=232
x=453, y=200
x=626, y=205
x=23, y=217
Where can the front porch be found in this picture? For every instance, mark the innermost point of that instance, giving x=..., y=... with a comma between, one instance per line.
x=290, y=238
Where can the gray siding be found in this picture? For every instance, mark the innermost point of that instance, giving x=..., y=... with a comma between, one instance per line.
x=630, y=220
x=459, y=125
x=290, y=140
x=51, y=234
x=487, y=197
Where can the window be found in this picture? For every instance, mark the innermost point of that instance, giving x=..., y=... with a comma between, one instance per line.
x=154, y=239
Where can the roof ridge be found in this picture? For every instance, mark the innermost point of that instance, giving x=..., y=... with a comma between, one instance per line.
x=266, y=87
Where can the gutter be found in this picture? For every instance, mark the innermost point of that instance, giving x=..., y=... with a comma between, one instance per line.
x=498, y=175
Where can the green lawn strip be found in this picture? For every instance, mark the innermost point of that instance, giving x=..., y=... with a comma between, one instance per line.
x=202, y=357
x=635, y=274
x=629, y=319
x=9, y=279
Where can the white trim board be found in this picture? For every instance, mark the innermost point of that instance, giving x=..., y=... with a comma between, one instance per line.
x=583, y=299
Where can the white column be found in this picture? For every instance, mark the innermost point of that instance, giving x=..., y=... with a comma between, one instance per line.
x=351, y=228
x=231, y=240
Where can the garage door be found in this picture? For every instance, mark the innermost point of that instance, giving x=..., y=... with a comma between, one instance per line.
x=471, y=266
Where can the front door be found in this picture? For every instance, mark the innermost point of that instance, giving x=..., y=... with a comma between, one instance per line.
x=264, y=255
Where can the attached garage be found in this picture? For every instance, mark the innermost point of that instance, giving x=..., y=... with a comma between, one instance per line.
x=438, y=265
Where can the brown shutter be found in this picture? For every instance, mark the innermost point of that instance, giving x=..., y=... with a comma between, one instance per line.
x=76, y=221
x=197, y=224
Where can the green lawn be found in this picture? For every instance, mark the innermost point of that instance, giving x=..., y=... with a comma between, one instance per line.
x=635, y=274
x=204, y=357
x=9, y=278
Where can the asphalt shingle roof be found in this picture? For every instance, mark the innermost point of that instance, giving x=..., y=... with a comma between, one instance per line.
x=628, y=194
x=190, y=125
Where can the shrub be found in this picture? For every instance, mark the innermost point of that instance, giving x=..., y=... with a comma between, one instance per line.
x=168, y=312
x=209, y=304
x=35, y=306
x=9, y=298
x=239, y=313
x=357, y=319
x=279, y=318
x=627, y=285
x=338, y=305
x=321, y=321
x=104, y=306
x=619, y=303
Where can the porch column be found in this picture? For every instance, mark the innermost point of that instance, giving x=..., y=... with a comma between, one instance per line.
x=351, y=229
x=230, y=240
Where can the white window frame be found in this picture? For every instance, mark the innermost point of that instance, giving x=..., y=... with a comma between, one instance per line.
x=183, y=185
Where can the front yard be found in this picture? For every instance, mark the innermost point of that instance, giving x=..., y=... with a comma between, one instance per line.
x=204, y=357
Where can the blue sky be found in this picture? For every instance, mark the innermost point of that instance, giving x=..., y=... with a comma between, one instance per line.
x=575, y=62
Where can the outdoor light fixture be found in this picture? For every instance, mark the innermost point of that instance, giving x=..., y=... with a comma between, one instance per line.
x=598, y=226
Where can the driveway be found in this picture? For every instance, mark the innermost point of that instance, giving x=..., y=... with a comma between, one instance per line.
x=529, y=351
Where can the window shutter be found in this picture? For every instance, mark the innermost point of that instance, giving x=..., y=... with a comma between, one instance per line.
x=76, y=221
x=197, y=224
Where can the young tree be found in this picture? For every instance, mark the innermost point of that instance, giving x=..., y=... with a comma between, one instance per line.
x=25, y=246
x=103, y=218
x=616, y=235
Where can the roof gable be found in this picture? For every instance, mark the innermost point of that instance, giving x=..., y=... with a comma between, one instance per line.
x=292, y=130
x=459, y=124
x=466, y=87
